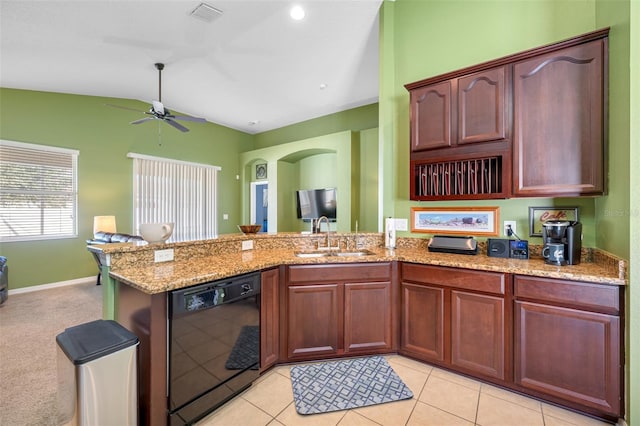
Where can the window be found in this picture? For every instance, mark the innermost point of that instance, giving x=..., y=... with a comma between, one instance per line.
x=38, y=192
x=175, y=191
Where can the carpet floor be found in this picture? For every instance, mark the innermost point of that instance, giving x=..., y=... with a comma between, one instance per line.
x=29, y=324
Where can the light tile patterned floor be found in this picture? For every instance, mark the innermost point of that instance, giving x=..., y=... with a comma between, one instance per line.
x=440, y=398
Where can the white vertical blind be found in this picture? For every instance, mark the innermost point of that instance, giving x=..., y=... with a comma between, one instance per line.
x=175, y=191
x=38, y=192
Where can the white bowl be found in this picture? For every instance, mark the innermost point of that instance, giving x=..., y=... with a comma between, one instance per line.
x=156, y=232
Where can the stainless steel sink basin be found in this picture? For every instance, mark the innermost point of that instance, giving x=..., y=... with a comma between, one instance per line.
x=312, y=253
x=341, y=253
x=346, y=253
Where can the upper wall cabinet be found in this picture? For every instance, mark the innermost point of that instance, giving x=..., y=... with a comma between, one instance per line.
x=431, y=117
x=460, y=111
x=559, y=126
x=459, y=136
x=526, y=125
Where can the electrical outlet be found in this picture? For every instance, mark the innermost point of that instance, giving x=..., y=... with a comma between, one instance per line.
x=506, y=225
x=247, y=245
x=401, y=224
x=163, y=255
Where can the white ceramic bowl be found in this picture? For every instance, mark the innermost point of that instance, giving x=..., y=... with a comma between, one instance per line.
x=156, y=232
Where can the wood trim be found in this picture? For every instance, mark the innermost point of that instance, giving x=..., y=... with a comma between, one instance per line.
x=269, y=318
x=146, y=316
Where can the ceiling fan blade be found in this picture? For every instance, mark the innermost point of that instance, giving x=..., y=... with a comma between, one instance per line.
x=142, y=120
x=188, y=118
x=176, y=125
x=123, y=107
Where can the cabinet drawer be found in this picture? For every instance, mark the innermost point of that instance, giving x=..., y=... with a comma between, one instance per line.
x=575, y=293
x=490, y=282
x=333, y=272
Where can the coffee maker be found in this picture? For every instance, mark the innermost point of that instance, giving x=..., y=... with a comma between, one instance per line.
x=562, y=241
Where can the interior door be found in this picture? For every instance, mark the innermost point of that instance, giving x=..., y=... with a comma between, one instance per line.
x=259, y=204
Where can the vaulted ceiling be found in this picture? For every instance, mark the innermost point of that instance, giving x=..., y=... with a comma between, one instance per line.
x=244, y=64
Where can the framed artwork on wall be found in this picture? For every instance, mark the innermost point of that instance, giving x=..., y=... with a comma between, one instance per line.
x=455, y=220
x=261, y=171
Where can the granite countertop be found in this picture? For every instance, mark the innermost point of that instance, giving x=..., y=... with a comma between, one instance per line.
x=185, y=271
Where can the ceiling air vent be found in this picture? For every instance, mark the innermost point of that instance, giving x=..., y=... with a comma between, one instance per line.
x=206, y=12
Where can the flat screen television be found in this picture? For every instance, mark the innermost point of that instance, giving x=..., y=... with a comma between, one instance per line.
x=315, y=203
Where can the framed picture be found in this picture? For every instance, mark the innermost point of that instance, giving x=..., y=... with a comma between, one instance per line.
x=455, y=220
x=539, y=215
x=261, y=171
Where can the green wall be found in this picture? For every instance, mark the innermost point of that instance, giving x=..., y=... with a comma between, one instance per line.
x=356, y=119
x=424, y=38
x=421, y=43
x=104, y=137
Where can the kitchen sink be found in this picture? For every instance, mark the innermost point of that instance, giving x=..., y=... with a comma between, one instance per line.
x=312, y=253
x=326, y=253
x=346, y=253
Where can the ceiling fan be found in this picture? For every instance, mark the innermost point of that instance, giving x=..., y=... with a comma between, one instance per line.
x=159, y=112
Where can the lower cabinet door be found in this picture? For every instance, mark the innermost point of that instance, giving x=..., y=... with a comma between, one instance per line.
x=367, y=316
x=423, y=322
x=478, y=333
x=313, y=320
x=570, y=354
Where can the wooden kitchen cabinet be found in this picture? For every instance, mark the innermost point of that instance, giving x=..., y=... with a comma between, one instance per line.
x=483, y=106
x=525, y=125
x=478, y=333
x=367, y=316
x=334, y=310
x=269, y=318
x=314, y=320
x=423, y=321
x=431, y=117
x=568, y=342
x=559, y=122
x=456, y=317
x=449, y=121
x=459, y=111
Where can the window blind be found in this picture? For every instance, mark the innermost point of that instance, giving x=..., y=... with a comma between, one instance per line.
x=175, y=191
x=38, y=192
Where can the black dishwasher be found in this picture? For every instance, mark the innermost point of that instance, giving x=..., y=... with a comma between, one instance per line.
x=214, y=345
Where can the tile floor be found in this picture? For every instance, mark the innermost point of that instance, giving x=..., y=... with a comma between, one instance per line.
x=440, y=398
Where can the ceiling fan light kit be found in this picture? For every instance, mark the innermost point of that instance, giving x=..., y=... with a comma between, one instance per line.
x=159, y=112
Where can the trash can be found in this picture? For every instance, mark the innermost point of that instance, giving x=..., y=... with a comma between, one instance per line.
x=97, y=375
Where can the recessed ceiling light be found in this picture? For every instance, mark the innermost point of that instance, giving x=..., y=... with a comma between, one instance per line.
x=297, y=13
x=323, y=86
x=254, y=122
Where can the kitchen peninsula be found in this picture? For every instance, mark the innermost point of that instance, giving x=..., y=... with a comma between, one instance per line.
x=520, y=324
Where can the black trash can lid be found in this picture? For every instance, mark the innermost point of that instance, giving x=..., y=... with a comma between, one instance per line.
x=87, y=342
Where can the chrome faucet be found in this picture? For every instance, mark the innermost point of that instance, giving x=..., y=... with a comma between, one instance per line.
x=328, y=245
x=358, y=244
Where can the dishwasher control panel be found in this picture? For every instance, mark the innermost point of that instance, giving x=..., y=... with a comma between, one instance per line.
x=211, y=294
